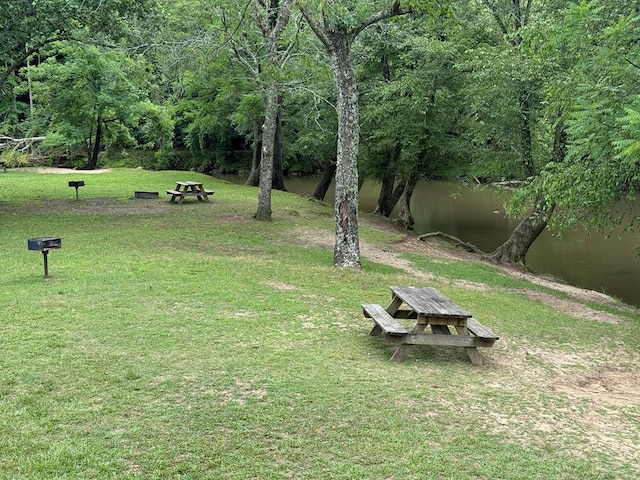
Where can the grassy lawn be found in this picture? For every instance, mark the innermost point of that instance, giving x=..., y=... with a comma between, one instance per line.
x=190, y=341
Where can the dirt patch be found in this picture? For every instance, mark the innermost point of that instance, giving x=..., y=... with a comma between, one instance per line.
x=575, y=309
x=611, y=385
x=63, y=171
x=96, y=206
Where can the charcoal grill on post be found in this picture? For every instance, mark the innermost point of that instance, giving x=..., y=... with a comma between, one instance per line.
x=44, y=244
x=75, y=184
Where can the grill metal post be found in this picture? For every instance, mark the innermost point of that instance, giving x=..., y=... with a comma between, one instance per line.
x=45, y=255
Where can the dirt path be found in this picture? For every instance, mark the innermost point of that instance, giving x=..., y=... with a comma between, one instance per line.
x=61, y=171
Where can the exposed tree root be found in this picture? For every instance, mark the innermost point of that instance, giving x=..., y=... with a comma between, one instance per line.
x=454, y=240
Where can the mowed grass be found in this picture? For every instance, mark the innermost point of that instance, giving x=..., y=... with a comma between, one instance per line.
x=191, y=341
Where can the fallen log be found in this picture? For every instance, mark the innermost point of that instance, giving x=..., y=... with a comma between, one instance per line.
x=469, y=247
x=19, y=144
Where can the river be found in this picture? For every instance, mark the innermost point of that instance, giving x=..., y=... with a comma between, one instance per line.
x=476, y=215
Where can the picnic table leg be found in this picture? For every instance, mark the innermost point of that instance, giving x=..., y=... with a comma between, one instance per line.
x=472, y=352
x=400, y=353
x=420, y=326
x=394, y=305
x=203, y=196
x=402, y=350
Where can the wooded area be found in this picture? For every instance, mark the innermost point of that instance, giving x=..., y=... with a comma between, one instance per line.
x=540, y=91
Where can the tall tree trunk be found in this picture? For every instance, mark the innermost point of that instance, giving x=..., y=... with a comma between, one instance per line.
x=323, y=185
x=337, y=37
x=525, y=133
x=93, y=157
x=254, y=175
x=389, y=195
x=515, y=249
x=266, y=161
x=404, y=203
x=272, y=18
x=347, y=247
x=278, y=165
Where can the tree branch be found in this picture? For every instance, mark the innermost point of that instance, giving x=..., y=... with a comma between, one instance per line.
x=317, y=28
x=23, y=58
x=18, y=144
x=394, y=11
x=496, y=15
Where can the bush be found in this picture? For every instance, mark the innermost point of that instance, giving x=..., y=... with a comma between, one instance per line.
x=13, y=158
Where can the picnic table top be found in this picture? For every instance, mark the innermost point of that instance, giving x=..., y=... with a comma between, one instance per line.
x=429, y=302
x=188, y=183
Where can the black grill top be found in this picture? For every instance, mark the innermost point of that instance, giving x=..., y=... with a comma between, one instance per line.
x=44, y=243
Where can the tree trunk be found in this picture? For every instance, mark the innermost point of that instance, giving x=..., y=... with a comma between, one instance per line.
x=93, y=157
x=337, y=38
x=278, y=170
x=404, y=203
x=383, y=205
x=254, y=175
x=266, y=161
x=515, y=249
x=389, y=195
x=328, y=173
x=272, y=18
x=525, y=134
x=347, y=248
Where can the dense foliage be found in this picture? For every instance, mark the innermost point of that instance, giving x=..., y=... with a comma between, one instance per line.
x=483, y=90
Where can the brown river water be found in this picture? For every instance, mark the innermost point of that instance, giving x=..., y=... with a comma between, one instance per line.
x=476, y=215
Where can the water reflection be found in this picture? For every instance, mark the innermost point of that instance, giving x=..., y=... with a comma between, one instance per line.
x=476, y=215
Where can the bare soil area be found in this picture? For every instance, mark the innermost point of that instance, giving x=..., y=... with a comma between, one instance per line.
x=56, y=170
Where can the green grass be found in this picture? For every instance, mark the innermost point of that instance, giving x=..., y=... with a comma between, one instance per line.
x=190, y=341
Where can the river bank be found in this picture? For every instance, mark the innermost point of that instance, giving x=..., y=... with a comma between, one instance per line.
x=572, y=304
x=476, y=215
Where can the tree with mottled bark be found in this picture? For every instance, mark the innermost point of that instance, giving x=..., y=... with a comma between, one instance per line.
x=272, y=17
x=337, y=25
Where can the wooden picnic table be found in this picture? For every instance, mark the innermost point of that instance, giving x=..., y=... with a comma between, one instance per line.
x=189, y=189
x=427, y=307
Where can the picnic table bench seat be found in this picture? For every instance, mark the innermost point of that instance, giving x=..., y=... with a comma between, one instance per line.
x=383, y=320
x=480, y=331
